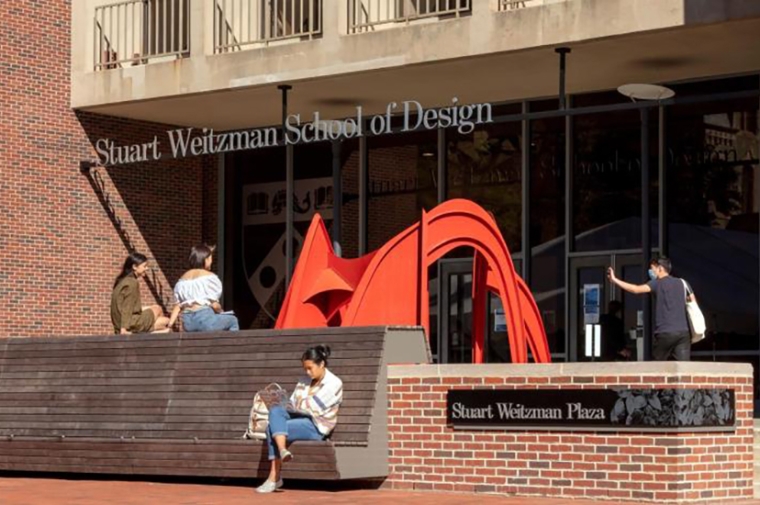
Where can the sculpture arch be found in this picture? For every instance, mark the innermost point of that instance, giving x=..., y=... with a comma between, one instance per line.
x=390, y=285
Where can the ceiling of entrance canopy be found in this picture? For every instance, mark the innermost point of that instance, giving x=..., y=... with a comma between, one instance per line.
x=657, y=57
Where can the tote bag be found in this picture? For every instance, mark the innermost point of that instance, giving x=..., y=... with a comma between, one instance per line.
x=694, y=315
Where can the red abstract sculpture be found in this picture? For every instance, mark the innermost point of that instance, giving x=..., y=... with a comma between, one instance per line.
x=390, y=285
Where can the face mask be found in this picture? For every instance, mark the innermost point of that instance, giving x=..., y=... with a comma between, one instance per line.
x=652, y=275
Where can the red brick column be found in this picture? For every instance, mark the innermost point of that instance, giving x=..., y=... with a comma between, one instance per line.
x=425, y=454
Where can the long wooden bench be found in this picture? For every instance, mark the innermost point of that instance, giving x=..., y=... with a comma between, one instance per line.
x=178, y=404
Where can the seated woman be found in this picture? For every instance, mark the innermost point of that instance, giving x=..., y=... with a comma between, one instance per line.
x=198, y=293
x=311, y=414
x=127, y=312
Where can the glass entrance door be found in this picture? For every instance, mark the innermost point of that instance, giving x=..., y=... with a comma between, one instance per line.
x=606, y=323
x=455, y=316
x=456, y=313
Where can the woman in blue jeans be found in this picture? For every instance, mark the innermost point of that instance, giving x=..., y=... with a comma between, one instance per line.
x=198, y=293
x=311, y=413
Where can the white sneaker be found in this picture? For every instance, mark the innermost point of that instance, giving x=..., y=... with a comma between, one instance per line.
x=269, y=486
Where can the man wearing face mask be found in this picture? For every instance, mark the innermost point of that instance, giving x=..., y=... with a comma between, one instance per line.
x=672, y=337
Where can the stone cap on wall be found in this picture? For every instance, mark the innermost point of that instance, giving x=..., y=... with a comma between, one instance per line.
x=607, y=369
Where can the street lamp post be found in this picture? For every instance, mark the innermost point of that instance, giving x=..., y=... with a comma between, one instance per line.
x=648, y=92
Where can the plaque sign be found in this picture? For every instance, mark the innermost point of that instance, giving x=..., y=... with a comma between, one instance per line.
x=618, y=409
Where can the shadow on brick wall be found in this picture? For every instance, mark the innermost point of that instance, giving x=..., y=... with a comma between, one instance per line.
x=157, y=207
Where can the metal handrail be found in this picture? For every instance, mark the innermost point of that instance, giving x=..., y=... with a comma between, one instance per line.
x=367, y=15
x=514, y=5
x=136, y=31
x=239, y=24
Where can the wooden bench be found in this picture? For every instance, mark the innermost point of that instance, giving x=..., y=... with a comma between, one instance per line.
x=178, y=404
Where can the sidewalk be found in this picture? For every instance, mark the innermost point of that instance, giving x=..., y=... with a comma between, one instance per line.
x=27, y=491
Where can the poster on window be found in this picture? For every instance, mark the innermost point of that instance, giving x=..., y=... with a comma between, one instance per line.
x=591, y=303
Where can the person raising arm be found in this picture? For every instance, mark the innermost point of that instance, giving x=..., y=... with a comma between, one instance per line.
x=636, y=289
x=672, y=336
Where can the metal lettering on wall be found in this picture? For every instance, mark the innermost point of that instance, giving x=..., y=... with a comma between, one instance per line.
x=184, y=142
x=592, y=409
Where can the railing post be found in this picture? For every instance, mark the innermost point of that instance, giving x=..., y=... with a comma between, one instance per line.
x=199, y=11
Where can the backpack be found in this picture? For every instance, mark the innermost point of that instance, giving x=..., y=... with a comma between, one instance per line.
x=258, y=420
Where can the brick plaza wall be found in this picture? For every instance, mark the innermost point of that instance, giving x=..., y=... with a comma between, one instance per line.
x=59, y=249
x=425, y=454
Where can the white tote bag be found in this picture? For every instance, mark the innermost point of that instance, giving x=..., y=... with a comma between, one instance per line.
x=694, y=315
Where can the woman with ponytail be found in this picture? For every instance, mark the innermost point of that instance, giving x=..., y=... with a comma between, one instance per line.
x=127, y=313
x=311, y=413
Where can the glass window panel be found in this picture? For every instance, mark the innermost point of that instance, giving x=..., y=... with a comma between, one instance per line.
x=547, y=214
x=485, y=166
x=713, y=203
x=607, y=181
x=403, y=171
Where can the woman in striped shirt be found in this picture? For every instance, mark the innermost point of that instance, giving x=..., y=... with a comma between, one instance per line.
x=311, y=413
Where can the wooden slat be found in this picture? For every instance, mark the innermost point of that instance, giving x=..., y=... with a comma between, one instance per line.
x=72, y=428
x=55, y=413
x=257, y=382
x=303, y=463
x=12, y=420
x=261, y=361
x=150, y=411
x=167, y=470
x=254, y=453
x=7, y=383
x=304, y=337
x=126, y=344
x=210, y=434
x=252, y=352
x=210, y=368
x=323, y=456
x=85, y=373
x=350, y=398
x=201, y=446
x=352, y=432
x=155, y=385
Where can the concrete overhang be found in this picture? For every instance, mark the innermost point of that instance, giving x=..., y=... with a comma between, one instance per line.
x=487, y=56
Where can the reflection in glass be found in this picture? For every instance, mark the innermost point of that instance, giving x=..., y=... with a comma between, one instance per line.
x=607, y=181
x=486, y=167
x=714, y=197
x=402, y=181
x=547, y=211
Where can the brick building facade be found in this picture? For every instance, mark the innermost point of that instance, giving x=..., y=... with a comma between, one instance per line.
x=64, y=234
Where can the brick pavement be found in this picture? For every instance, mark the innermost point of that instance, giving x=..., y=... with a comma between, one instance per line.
x=46, y=491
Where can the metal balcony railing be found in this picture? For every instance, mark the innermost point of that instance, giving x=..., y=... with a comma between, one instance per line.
x=136, y=31
x=239, y=24
x=513, y=5
x=368, y=15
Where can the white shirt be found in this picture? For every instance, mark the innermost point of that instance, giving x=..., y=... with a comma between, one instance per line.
x=203, y=290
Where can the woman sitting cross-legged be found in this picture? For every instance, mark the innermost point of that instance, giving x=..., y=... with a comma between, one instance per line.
x=311, y=413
